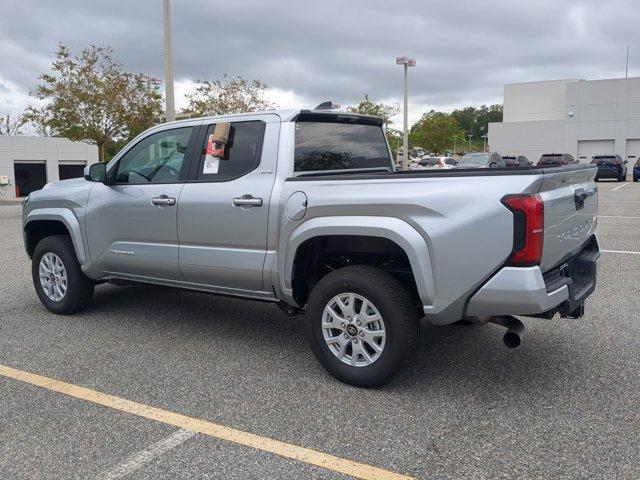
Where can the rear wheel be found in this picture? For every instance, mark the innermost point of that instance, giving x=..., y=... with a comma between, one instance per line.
x=57, y=276
x=362, y=325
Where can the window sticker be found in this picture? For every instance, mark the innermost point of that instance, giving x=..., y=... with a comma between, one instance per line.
x=216, y=145
x=212, y=156
x=211, y=164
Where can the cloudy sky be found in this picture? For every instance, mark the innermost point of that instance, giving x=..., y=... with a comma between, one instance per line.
x=308, y=52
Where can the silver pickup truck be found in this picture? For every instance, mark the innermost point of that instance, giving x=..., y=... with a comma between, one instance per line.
x=303, y=208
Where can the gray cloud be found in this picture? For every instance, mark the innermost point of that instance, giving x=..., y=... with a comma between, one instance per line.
x=466, y=50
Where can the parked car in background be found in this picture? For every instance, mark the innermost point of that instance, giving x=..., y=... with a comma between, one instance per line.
x=481, y=160
x=556, y=159
x=516, y=161
x=428, y=163
x=636, y=171
x=610, y=166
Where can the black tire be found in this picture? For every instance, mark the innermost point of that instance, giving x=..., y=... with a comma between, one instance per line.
x=635, y=179
x=399, y=313
x=79, y=286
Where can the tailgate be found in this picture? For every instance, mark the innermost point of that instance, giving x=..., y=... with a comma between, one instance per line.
x=570, y=211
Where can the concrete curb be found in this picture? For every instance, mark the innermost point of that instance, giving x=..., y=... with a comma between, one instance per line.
x=10, y=201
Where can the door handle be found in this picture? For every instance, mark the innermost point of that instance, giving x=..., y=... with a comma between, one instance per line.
x=163, y=201
x=247, y=201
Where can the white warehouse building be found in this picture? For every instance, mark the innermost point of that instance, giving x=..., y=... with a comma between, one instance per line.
x=28, y=163
x=580, y=117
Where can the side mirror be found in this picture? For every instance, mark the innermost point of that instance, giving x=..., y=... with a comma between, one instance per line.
x=96, y=172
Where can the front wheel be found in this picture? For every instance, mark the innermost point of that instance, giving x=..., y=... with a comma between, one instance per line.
x=57, y=277
x=362, y=325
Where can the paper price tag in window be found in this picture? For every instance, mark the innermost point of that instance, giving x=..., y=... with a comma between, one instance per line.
x=211, y=164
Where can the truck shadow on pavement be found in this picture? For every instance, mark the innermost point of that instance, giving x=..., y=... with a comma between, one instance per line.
x=452, y=356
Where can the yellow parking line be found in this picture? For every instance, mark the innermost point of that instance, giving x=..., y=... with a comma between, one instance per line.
x=288, y=450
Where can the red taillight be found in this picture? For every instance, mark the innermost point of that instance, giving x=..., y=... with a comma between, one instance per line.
x=528, y=228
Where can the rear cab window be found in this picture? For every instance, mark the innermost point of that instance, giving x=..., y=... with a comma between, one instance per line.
x=333, y=142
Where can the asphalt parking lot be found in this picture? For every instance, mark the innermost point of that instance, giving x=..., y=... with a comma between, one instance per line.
x=565, y=404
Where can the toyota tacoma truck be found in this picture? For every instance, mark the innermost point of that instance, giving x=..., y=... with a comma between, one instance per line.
x=303, y=208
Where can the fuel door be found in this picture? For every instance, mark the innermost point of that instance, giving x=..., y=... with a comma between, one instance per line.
x=296, y=206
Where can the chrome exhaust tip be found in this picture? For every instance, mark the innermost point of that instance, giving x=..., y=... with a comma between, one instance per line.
x=515, y=330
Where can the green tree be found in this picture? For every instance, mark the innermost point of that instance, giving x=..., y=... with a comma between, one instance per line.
x=92, y=98
x=227, y=95
x=375, y=109
x=475, y=120
x=394, y=137
x=11, y=125
x=436, y=132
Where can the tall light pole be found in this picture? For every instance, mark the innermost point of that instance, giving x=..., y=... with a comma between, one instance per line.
x=626, y=68
x=470, y=135
x=406, y=62
x=484, y=148
x=168, y=63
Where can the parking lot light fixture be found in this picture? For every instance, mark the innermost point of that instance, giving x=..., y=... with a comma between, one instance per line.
x=406, y=62
x=168, y=63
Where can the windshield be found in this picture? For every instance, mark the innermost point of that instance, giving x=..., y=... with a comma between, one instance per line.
x=339, y=146
x=473, y=159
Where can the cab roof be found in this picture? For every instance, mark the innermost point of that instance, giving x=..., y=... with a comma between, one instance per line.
x=294, y=114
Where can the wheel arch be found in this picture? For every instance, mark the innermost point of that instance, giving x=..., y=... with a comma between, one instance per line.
x=45, y=222
x=398, y=232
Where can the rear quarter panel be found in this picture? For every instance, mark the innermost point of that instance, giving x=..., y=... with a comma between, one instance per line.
x=468, y=232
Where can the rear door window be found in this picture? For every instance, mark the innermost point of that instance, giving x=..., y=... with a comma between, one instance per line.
x=242, y=153
x=325, y=146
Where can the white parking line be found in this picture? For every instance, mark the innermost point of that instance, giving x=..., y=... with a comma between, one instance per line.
x=618, y=188
x=143, y=457
x=621, y=251
x=614, y=216
x=619, y=201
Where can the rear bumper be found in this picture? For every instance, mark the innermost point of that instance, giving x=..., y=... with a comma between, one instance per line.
x=609, y=173
x=529, y=292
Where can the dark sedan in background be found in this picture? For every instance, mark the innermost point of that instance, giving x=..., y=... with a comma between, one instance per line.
x=556, y=159
x=610, y=166
x=516, y=161
x=636, y=171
